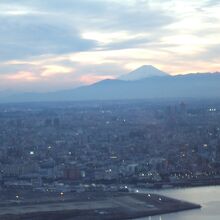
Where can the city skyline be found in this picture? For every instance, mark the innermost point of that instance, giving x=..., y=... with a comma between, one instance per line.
x=51, y=45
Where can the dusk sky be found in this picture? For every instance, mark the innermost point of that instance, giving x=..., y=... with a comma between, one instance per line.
x=49, y=45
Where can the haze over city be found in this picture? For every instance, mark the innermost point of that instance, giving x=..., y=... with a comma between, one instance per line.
x=53, y=45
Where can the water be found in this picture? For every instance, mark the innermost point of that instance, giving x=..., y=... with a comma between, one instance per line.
x=208, y=197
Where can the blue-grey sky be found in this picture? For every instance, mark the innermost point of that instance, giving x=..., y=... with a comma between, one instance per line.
x=49, y=45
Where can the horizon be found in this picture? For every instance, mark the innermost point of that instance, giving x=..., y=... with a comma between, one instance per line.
x=53, y=45
x=119, y=78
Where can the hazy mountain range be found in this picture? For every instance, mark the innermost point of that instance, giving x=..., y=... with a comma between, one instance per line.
x=143, y=83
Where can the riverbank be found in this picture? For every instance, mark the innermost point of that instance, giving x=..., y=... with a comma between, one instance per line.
x=178, y=184
x=95, y=207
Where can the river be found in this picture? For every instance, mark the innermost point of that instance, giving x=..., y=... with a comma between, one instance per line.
x=208, y=197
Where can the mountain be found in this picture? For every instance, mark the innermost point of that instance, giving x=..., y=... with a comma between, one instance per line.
x=203, y=85
x=181, y=86
x=143, y=72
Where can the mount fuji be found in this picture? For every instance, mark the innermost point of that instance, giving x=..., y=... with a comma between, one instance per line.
x=143, y=72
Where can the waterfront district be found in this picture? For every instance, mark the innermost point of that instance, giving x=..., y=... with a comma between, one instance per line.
x=62, y=148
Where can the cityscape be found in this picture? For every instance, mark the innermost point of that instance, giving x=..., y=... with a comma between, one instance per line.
x=107, y=146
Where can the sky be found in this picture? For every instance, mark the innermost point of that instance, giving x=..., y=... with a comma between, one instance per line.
x=49, y=45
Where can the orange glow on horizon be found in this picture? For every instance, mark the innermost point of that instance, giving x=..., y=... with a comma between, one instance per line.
x=23, y=76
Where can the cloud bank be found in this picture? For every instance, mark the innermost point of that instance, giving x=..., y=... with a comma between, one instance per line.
x=53, y=44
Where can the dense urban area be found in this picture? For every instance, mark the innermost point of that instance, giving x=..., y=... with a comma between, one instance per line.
x=62, y=148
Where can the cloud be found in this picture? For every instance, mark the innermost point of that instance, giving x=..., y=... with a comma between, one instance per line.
x=212, y=3
x=128, y=43
x=54, y=74
x=21, y=38
x=98, y=14
x=210, y=53
x=35, y=28
x=53, y=44
x=22, y=76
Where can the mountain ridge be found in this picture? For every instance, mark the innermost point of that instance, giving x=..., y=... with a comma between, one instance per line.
x=193, y=85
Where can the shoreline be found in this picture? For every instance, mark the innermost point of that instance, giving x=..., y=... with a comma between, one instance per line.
x=110, y=206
